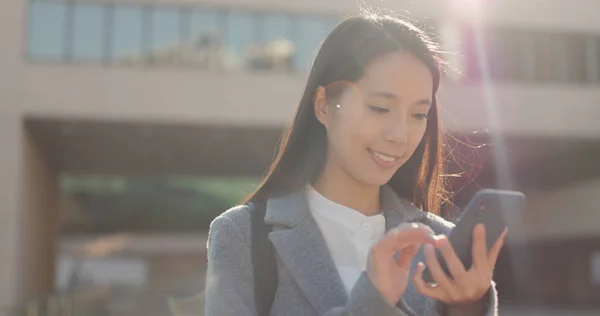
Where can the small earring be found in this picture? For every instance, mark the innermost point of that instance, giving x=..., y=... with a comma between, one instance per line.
x=338, y=106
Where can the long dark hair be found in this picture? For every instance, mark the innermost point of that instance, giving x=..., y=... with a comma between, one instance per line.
x=342, y=58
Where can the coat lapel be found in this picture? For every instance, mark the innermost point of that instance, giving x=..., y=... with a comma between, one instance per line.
x=303, y=251
x=398, y=211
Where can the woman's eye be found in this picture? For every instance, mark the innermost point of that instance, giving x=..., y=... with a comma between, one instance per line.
x=420, y=116
x=379, y=109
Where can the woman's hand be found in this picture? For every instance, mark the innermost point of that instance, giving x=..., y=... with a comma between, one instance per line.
x=464, y=286
x=388, y=274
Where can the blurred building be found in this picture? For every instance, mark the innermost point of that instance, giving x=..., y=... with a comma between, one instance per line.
x=141, y=87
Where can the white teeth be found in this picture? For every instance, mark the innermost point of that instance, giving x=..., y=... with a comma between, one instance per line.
x=383, y=157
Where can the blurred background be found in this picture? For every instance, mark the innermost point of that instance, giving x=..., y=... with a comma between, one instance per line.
x=126, y=126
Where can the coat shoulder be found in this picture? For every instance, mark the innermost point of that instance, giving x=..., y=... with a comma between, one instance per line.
x=235, y=220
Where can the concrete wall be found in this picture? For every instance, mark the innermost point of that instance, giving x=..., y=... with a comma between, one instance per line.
x=12, y=37
x=174, y=95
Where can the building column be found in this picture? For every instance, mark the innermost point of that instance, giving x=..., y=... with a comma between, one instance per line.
x=38, y=230
x=28, y=216
x=10, y=166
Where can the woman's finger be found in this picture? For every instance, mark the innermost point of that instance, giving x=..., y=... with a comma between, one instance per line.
x=495, y=251
x=423, y=287
x=406, y=256
x=438, y=274
x=455, y=266
x=479, y=253
x=402, y=237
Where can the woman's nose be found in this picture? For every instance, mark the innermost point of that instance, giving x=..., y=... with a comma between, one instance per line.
x=397, y=133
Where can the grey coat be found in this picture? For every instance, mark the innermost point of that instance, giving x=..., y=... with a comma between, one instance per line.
x=309, y=283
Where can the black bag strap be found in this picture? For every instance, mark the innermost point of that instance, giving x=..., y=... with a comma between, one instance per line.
x=264, y=264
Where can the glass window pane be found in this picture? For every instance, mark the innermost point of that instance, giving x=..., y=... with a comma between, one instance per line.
x=329, y=24
x=47, y=21
x=274, y=27
x=544, y=57
x=275, y=49
x=205, y=39
x=576, y=54
x=240, y=36
x=592, y=60
x=310, y=32
x=469, y=51
x=202, y=23
x=561, y=51
x=165, y=35
x=596, y=54
x=527, y=56
x=491, y=43
x=127, y=35
x=88, y=32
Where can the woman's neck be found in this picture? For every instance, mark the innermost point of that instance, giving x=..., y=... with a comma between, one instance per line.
x=336, y=185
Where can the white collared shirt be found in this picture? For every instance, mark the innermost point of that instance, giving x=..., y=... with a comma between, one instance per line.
x=348, y=234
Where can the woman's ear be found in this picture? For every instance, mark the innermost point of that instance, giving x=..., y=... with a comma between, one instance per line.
x=321, y=107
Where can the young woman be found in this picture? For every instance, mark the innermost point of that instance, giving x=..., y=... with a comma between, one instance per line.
x=356, y=178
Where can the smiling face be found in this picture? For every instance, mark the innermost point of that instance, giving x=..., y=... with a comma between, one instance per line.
x=376, y=124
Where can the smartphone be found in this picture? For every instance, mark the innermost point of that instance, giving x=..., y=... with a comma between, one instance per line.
x=496, y=209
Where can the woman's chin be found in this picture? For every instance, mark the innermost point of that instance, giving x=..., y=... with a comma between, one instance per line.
x=377, y=180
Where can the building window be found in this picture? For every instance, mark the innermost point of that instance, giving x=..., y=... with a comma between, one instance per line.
x=526, y=58
x=166, y=35
x=547, y=58
x=575, y=60
x=204, y=40
x=274, y=48
x=310, y=32
x=88, y=32
x=47, y=30
x=532, y=56
x=228, y=39
x=592, y=58
x=470, y=49
x=274, y=27
x=241, y=36
x=127, y=35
